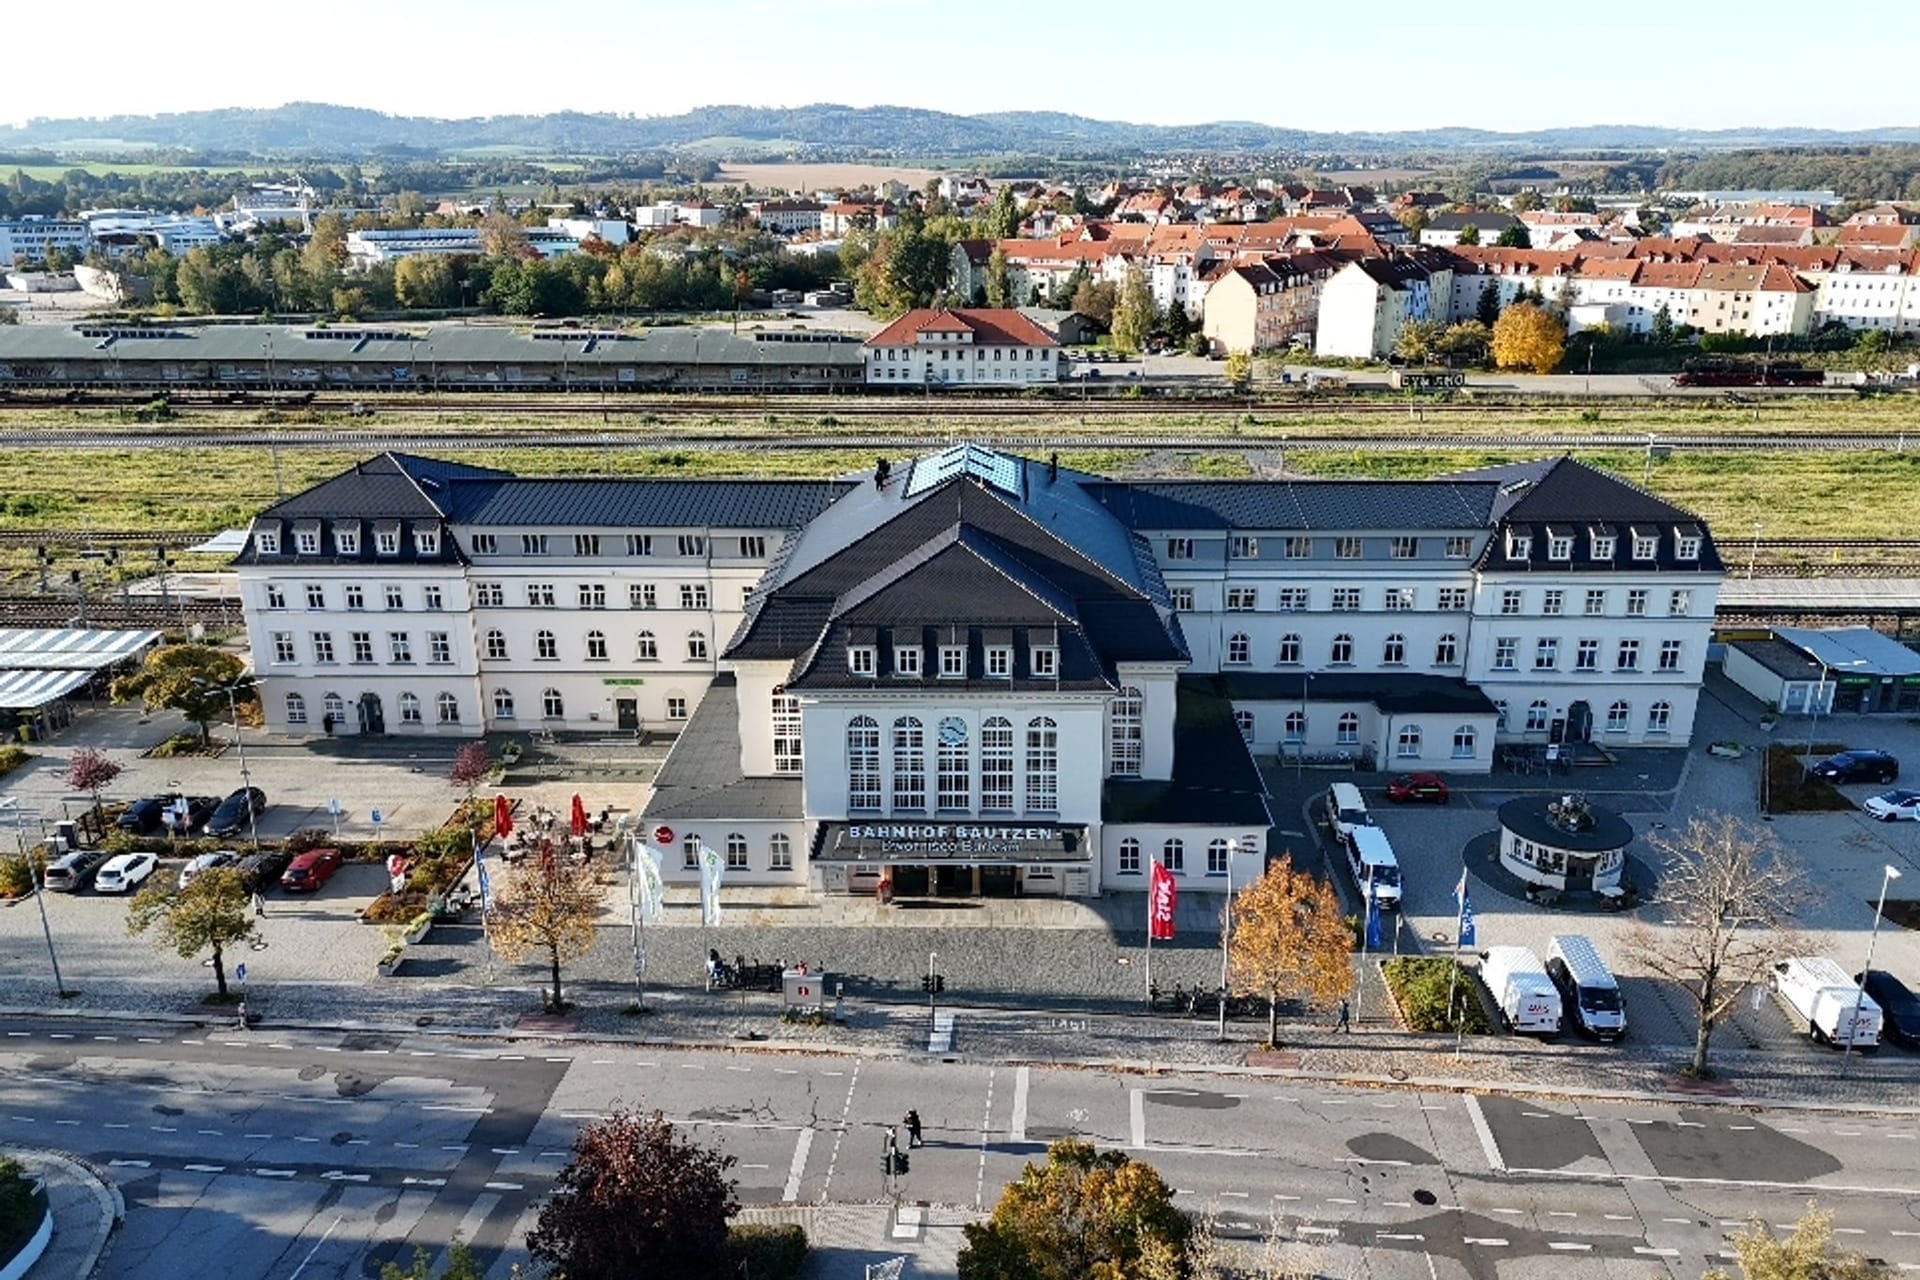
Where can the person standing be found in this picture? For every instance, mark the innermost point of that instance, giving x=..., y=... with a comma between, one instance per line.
x=913, y=1129
x=1346, y=1017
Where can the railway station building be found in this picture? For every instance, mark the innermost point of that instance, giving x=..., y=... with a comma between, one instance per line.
x=976, y=673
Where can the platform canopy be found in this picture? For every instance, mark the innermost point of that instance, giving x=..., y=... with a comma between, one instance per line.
x=39, y=665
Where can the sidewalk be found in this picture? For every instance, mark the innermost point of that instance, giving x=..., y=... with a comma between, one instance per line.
x=843, y=1240
x=86, y=1209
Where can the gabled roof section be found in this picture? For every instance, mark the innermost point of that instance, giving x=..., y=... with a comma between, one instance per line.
x=1565, y=490
x=616, y=502
x=389, y=485
x=964, y=565
x=990, y=326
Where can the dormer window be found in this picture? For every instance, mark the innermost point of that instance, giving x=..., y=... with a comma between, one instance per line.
x=1179, y=548
x=1046, y=662
x=999, y=662
x=485, y=544
x=267, y=542
x=1686, y=544
x=1646, y=544
x=307, y=541
x=953, y=661
x=387, y=541
x=346, y=541
x=861, y=660
x=1559, y=545
x=906, y=660
x=1519, y=545
x=426, y=541
x=1602, y=540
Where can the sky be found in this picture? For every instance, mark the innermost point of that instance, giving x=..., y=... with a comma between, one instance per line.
x=1388, y=64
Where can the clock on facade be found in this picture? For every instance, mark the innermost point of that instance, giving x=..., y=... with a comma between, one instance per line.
x=953, y=732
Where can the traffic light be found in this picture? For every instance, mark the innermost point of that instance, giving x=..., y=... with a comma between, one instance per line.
x=939, y=982
x=933, y=983
x=899, y=1162
x=926, y=982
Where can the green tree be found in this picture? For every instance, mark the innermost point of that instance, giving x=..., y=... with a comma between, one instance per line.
x=1529, y=336
x=1514, y=237
x=1065, y=290
x=638, y=1199
x=1469, y=340
x=1133, y=312
x=999, y=286
x=1001, y=219
x=1418, y=339
x=186, y=678
x=1662, y=333
x=1487, y=310
x=1096, y=301
x=214, y=911
x=1239, y=372
x=1084, y=1213
x=1179, y=323
x=1469, y=235
x=461, y=1265
x=425, y=282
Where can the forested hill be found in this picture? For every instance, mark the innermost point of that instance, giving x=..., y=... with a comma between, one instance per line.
x=321, y=129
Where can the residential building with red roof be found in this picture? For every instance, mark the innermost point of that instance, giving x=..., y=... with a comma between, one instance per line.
x=949, y=346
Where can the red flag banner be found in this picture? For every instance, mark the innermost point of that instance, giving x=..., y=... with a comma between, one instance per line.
x=502, y=817
x=1162, y=895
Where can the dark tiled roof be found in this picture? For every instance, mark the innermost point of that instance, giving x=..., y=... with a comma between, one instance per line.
x=1566, y=494
x=395, y=485
x=726, y=504
x=1397, y=693
x=1215, y=781
x=963, y=565
x=1784, y=660
x=1299, y=504
x=701, y=779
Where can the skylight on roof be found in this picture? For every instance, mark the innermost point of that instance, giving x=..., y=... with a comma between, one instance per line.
x=984, y=465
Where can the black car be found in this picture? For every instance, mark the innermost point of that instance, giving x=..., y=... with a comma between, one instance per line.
x=1858, y=766
x=1900, y=1006
x=231, y=817
x=199, y=810
x=263, y=869
x=143, y=816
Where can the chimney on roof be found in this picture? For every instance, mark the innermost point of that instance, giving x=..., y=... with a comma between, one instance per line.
x=1053, y=467
x=881, y=470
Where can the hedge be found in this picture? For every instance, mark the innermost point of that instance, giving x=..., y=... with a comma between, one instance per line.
x=767, y=1251
x=1420, y=985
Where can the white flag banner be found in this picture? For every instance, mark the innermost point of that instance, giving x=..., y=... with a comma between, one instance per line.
x=647, y=881
x=712, y=869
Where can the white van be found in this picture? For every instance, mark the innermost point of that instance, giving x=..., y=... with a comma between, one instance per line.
x=1346, y=810
x=1588, y=991
x=1376, y=872
x=1835, y=1009
x=1526, y=997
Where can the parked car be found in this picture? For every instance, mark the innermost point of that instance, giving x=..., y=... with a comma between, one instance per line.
x=206, y=862
x=310, y=870
x=1858, y=766
x=264, y=868
x=200, y=810
x=231, y=817
x=72, y=872
x=125, y=873
x=1426, y=788
x=1899, y=1007
x=1891, y=806
x=143, y=816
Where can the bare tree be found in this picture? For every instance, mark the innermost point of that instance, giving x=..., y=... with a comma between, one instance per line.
x=1729, y=897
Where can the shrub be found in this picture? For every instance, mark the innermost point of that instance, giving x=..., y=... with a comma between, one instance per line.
x=1786, y=787
x=448, y=842
x=20, y=1215
x=16, y=876
x=767, y=1251
x=180, y=744
x=11, y=758
x=307, y=839
x=1420, y=984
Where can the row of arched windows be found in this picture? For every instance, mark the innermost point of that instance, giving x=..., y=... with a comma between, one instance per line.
x=1393, y=650
x=1619, y=718
x=446, y=709
x=964, y=779
x=739, y=856
x=1173, y=854
x=546, y=646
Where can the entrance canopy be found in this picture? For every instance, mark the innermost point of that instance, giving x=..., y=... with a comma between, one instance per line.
x=968, y=843
x=43, y=664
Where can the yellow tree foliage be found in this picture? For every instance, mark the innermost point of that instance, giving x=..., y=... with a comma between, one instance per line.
x=1289, y=939
x=1529, y=337
x=1807, y=1254
x=548, y=904
x=1083, y=1215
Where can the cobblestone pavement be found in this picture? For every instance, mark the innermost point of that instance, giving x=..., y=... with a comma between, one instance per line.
x=845, y=1239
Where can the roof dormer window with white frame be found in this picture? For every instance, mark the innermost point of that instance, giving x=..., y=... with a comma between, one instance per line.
x=1519, y=544
x=267, y=542
x=906, y=660
x=1559, y=543
x=1046, y=661
x=306, y=539
x=386, y=539
x=1686, y=543
x=426, y=542
x=1646, y=543
x=862, y=660
x=953, y=661
x=1601, y=542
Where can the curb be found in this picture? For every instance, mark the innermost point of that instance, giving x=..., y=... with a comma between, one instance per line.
x=1135, y=1066
x=111, y=1205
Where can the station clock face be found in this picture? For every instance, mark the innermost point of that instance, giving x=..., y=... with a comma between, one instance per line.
x=953, y=731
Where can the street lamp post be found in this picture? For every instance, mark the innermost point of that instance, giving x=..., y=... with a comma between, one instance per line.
x=1226, y=933
x=1300, y=755
x=240, y=746
x=40, y=898
x=1820, y=697
x=1888, y=876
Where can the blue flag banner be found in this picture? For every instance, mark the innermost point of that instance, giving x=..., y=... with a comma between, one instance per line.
x=1466, y=938
x=1375, y=939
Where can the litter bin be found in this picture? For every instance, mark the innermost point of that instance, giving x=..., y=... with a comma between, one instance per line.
x=802, y=988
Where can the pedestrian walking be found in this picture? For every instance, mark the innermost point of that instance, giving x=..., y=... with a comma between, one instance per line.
x=243, y=1013
x=259, y=905
x=913, y=1129
x=326, y=722
x=1346, y=1018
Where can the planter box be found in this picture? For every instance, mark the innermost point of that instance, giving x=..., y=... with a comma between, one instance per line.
x=415, y=935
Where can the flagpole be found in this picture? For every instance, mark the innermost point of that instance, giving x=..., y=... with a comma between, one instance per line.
x=1366, y=949
x=1149, y=944
x=633, y=910
x=1453, y=975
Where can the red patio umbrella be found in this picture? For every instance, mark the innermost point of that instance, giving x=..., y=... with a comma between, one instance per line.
x=502, y=817
x=579, y=815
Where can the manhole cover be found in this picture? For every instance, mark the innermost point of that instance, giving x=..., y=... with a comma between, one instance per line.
x=1423, y=1196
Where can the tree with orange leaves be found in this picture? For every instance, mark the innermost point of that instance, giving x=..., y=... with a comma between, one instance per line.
x=1289, y=939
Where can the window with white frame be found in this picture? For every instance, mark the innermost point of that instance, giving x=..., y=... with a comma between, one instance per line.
x=1586, y=655
x=646, y=647
x=1500, y=715
x=639, y=544
x=1660, y=717
x=1670, y=651
x=1506, y=651
x=1686, y=546
x=346, y=540
x=1629, y=656
x=540, y=595
x=906, y=660
x=1173, y=856
x=1452, y=599
x=400, y=646
x=1293, y=599
x=1298, y=548
x=779, y=852
x=276, y=596
x=1242, y=547
x=676, y=706
x=999, y=660
x=953, y=765
x=431, y=599
x=909, y=763
x=546, y=646
x=691, y=544
x=1393, y=652
x=596, y=646
x=591, y=595
x=693, y=595
x=586, y=544
x=1559, y=546
x=283, y=650
x=490, y=595
x=1546, y=653
x=1348, y=731
x=1290, y=649
x=1399, y=599
x=323, y=646
x=1340, y=652
x=1130, y=857
x=1046, y=661
x=1519, y=546
x=736, y=851
x=1217, y=857
x=1349, y=548
x=426, y=541
x=334, y=705
x=1679, y=603
x=1512, y=601
x=395, y=597
x=1596, y=603
x=753, y=546
x=1464, y=742
x=503, y=704
x=1645, y=545
x=485, y=544
x=1244, y=721
x=1346, y=599
x=996, y=765
x=1296, y=727
x=439, y=647
x=362, y=642
x=533, y=544
x=1242, y=599
x=953, y=661
x=1180, y=599
x=448, y=707
x=1446, y=651
x=1553, y=602
x=1179, y=548
x=1126, y=737
x=1404, y=547
x=1239, y=649
x=1043, y=765
x=495, y=646
x=1408, y=743
x=267, y=542
x=863, y=764
x=1459, y=547
x=1537, y=711
x=356, y=597
x=552, y=705
x=1601, y=543
x=690, y=852
x=296, y=709
x=409, y=709
x=643, y=595
x=696, y=646
x=1619, y=716
x=1637, y=603
x=307, y=541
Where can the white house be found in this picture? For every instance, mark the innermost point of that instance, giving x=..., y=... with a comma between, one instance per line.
x=963, y=346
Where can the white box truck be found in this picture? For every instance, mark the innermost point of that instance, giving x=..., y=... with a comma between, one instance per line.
x=1836, y=1011
x=1588, y=990
x=1528, y=1001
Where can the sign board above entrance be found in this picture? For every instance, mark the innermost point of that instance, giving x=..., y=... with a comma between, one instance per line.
x=954, y=842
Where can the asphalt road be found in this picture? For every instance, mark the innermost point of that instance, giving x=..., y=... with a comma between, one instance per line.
x=320, y=1156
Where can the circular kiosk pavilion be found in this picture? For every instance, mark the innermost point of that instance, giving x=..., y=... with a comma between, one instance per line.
x=1564, y=842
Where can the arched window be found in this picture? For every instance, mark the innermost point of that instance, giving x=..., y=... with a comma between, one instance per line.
x=1296, y=727
x=1446, y=651
x=552, y=705
x=1239, y=649
x=1659, y=717
x=1394, y=652
x=736, y=851
x=1500, y=714
x=1409, y=742
x=690, y=851
x=1129, y=857
x=996, y=765
x=779, y=852
x=696, y=646
x=1043, y=765
x=502, y=704
x=1173, y=856
x=1217, y=857
x=646, y=648
x=1465, y=742
x=909, y=763
x=1342, y=651
x=334, y=706
x=1244, y=721
x=497, y=646
x=1290, y=650
x=545, y=646
x=1537, y=715
x=409, y=709
x=296, y=709
x=863, y=763
x=1126, y=743
x=785, y=717
x=953, y=765
x=596, y=646
x=1617, y=717
x=448, y=707
x=1349, y=728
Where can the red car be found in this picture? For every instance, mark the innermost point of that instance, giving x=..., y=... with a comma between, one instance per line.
x=1428, y=788
x=310, y=870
